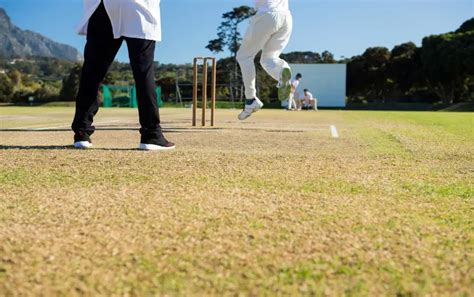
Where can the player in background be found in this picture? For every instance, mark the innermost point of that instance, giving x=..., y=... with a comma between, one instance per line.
x=310, y=100
x=295, y=82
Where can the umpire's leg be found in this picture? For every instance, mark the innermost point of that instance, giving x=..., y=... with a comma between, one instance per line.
x=100, y=51
x=142, y=54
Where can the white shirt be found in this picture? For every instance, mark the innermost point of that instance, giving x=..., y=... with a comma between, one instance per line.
x=264, y=6
x=295, y=83
x=308, y=96
x=130, y=18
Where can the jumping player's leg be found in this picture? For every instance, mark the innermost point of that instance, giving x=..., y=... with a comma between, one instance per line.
x=271, y=61
x=259, y=32
x=100, y=51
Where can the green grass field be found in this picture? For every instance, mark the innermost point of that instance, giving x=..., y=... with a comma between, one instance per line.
x=274, y=206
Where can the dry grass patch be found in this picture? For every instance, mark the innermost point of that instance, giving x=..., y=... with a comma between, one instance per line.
x=270, y=207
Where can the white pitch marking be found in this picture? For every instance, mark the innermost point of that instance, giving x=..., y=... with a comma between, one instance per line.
x=334, y=132
x=50, y=128
x=59, y=127
x=34, y=128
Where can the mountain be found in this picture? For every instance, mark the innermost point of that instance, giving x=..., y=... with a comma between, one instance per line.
x=15, y=42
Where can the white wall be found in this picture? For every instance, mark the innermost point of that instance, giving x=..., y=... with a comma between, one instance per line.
x=327, y=82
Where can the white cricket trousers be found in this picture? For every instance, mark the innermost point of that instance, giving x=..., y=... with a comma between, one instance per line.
x=269, y=33
x=292, y=102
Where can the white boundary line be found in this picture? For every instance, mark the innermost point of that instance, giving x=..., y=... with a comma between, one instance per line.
x=334, y=132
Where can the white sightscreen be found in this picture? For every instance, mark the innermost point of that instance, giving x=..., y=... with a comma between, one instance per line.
x=327, y=82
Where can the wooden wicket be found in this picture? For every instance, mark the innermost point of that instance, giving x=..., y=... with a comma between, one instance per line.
x=205, y=71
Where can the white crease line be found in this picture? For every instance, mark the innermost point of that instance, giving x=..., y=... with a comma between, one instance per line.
x=32, y=128
x=334, y=132
x=50, y=128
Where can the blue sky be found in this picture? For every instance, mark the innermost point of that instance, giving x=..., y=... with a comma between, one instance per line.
x=344, y=27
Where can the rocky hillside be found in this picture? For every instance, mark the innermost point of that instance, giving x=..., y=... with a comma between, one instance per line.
x=15, y=42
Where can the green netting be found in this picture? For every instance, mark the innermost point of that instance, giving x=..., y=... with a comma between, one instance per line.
x=123, y=96
x=107, y=96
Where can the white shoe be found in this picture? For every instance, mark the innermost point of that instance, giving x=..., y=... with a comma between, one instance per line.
x=249, y=109
x=155, y=147
x=82, y=144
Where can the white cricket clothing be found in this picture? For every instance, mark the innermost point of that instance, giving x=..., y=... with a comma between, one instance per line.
x=270, y=33
x=311, y=101
x=292, y=102
x=263, y=6
x=295, y=83
x=308, y=96
x=130, y=18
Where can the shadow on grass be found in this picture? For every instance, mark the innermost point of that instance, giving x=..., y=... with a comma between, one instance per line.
x=36, y=147
x=172, y=130
x=58, y=147
x=165, y=130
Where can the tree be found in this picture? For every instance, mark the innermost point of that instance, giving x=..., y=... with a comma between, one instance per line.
x=302, y=58
x=404, y=67
x=168, y=86
x=47, y=92
x=367, y=74
x=467, y=26
x=404, y=50
x=6, y=88
x=15, y=77
x=327, y=57
x=448, y=62
x=71, y=84
x=228, y=36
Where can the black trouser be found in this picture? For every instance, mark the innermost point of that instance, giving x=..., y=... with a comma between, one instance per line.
x=100, y=51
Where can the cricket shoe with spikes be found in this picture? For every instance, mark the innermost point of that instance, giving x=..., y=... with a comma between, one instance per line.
x=284, y=86
x=251, y=106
